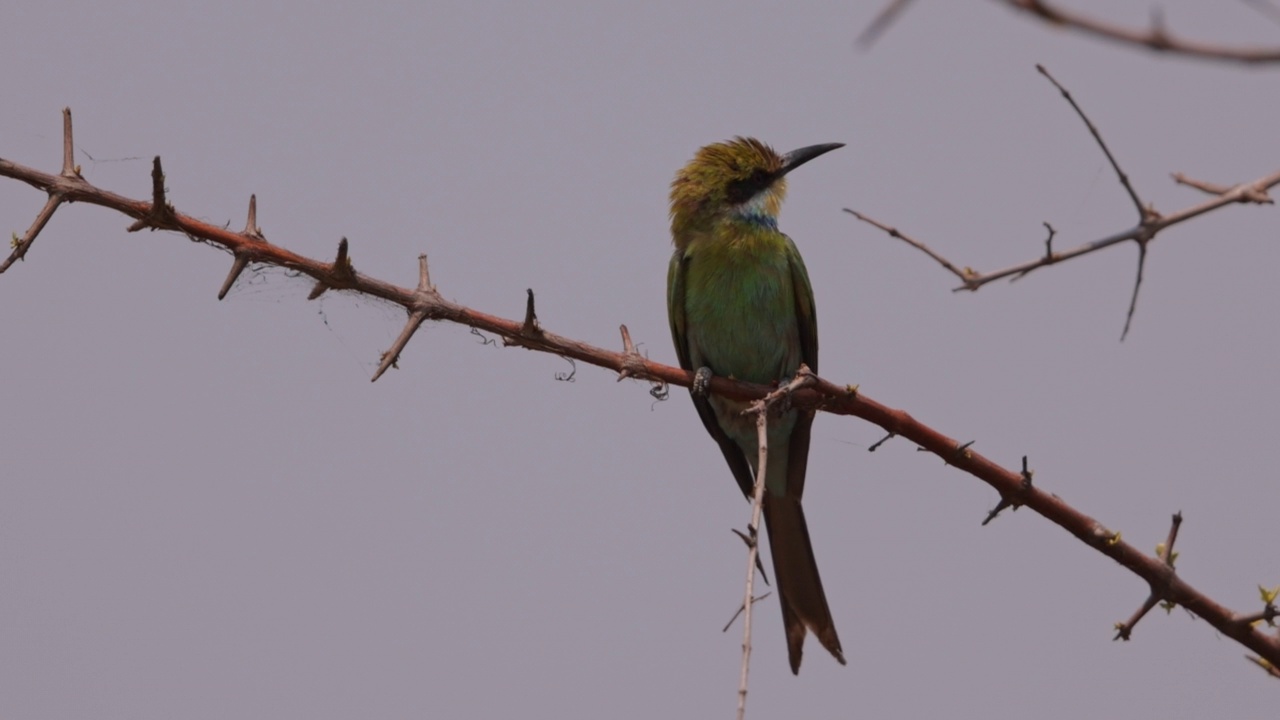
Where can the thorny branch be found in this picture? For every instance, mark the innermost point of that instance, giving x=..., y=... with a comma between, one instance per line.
x=1157, y=37
x=1150, y=222
x=819, y=394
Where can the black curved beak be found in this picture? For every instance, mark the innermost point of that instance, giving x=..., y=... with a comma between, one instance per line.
x=796, y=158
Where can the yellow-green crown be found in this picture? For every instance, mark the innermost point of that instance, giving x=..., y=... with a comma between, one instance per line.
x=724, y=176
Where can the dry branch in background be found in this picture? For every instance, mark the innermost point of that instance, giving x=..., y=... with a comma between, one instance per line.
x=1156, y=37
x=1150, y=221
x=425, y=303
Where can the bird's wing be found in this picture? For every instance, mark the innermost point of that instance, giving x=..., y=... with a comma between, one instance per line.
x=676, y=274
x=806, y=314
x=807, y=322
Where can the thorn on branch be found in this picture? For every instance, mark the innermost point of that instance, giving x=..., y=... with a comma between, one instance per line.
x=161, y=216
x=632, y=361
x=342, y=274
x=1267, y=614
x=1165, y=550
x=876, y=445
x=237, y=266
x=424, y=276
x=754, y=600
x=962, y=452
x=1016, y=502
x=530, y=328
x=251, y=229
x=1048, y=259
x=69, y=169
x=1270, y=669
x=752, y=540
x=1158, y=38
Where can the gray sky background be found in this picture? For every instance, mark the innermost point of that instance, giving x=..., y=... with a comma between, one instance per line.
x=207, y=511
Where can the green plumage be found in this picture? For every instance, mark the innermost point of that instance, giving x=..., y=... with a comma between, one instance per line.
x=740, y=305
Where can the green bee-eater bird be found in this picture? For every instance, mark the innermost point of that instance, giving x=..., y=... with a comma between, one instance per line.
x=741, y=306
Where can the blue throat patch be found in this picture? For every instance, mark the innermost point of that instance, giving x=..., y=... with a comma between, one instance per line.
x=753, y=215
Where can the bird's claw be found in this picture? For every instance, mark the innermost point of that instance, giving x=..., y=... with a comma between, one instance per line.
x=701, y=381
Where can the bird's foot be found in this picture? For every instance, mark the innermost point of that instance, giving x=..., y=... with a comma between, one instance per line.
x=701, y=381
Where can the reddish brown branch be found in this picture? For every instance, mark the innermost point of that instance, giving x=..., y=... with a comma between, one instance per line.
x=822, y=394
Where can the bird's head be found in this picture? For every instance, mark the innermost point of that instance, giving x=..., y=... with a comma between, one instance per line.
x=739, y=179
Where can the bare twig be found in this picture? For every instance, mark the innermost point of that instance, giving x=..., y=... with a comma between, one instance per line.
x=1157, y=37
x=753, y=548
x=881, y=22
x=1150, y=222
x=966, y=275
x=1097, y=136
x=1265, y=8
x=819, y=394
x=760, y=408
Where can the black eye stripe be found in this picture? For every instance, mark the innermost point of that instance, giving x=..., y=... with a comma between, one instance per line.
x=740, y=191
